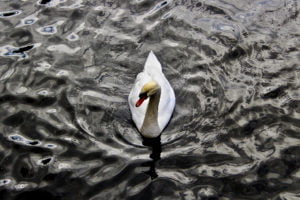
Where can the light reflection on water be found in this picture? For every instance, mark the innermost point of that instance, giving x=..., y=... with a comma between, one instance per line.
x=66, y=69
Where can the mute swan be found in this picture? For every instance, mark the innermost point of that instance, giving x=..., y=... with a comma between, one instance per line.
x=151, y=99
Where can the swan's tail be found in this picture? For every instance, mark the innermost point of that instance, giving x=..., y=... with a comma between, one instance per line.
x=152, y=64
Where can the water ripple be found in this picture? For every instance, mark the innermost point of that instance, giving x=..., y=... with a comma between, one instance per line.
x=66, y=70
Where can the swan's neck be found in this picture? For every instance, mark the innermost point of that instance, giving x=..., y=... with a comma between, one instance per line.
x=150, y=125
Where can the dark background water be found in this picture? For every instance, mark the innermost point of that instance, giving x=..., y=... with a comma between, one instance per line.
x=66, y=69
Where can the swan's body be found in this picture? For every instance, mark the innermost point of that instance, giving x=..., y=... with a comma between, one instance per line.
x=151, y=99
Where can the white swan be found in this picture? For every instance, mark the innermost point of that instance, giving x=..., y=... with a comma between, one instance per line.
x=151, y=99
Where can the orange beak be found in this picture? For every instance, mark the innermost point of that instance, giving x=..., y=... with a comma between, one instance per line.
x=141, y=100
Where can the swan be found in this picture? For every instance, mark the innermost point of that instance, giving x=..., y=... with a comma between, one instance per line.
x=151, y=99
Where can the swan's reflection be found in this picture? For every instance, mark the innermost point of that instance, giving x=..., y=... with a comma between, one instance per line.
x=155, y=145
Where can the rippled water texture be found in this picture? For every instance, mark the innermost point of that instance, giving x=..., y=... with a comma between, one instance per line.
x=66, y=69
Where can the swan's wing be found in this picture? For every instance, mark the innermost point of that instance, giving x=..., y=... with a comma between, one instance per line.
x=152, y=65
x=167, y=99
x=166, y=103
x=138, y=113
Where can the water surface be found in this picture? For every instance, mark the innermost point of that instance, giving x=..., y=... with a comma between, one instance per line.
x=66, y=69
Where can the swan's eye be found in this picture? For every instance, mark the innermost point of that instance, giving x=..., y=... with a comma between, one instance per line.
x=143, y=95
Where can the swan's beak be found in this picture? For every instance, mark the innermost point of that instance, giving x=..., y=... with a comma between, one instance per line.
x=142, y=98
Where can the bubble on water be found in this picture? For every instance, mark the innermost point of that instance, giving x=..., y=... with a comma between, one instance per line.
x=16, y=138
x=32, y=143
x=50, y=146
x=72, y=37
x=4, y=182
x=47, y=30
x=43, y=93
x=11, y=13
x=29, y=20
x=62, y=73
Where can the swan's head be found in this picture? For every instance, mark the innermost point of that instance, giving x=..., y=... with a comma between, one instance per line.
x=147, y=90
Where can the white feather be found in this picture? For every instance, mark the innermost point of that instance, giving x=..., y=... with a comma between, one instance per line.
x=152, y=71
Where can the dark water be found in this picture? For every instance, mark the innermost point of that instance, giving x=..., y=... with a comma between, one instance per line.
x=66, y=69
